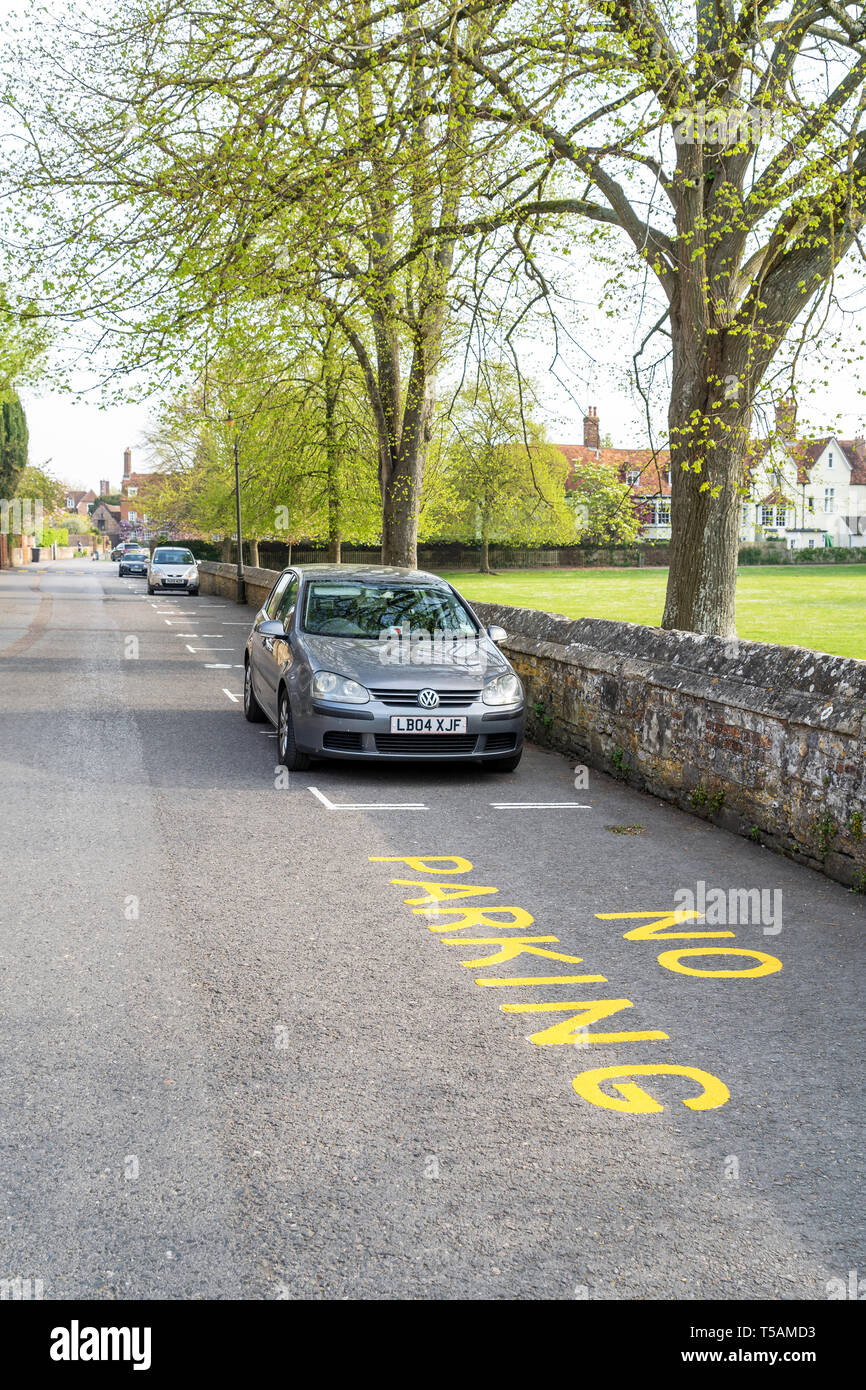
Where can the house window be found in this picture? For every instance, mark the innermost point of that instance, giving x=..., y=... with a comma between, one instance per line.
x=781, y=516
x=830, y=459
x=632, y=476
x=133, y=516
x=766, y=516
x=829, y=499
x=663, y=512
x=811, y=504
x=70, y=502
x=670, y=477
x=132, y=492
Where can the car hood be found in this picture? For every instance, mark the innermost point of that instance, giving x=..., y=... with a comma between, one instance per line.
x=377, y=665
x=172, y=569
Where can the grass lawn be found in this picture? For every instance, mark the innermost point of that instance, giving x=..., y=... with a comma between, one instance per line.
x=822, y=607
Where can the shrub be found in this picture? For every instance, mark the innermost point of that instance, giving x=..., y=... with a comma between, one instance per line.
x=750, y=555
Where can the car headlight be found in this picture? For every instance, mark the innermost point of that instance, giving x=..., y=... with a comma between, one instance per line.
x=156, y=569
x=327, y=685
x=505, y=690
x=191, y=574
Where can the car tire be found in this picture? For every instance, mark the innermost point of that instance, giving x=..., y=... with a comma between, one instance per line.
x=194, y=593
x=287, y=751
x=252, y=709
x=504, y=764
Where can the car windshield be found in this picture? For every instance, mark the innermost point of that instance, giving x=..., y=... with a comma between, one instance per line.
x=173, y=557
x=362, y=609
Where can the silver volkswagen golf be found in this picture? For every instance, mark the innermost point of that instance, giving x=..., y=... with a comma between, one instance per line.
x=350, y=661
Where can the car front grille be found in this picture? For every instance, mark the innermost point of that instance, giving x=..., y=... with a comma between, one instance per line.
x=342, y=741
x=448, y=699
x=502, y=743
x=444, y=744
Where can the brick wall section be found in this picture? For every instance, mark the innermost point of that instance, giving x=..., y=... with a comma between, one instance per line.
x=767, y=741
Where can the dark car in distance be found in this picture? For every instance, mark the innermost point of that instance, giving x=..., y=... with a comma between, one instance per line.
x=133, y=562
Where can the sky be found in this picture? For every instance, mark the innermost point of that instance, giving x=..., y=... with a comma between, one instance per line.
x=80, y=443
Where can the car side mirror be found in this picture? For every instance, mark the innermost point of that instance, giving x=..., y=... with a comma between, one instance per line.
x=497, y=634
x=272, y=628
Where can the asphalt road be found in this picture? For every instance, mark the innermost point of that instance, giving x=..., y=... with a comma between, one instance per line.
x=237, y=1064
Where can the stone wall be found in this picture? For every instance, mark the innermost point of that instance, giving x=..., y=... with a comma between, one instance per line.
x=222, y=579
x=767, y=741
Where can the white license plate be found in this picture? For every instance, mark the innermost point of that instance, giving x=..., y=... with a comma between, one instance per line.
x=428, y=723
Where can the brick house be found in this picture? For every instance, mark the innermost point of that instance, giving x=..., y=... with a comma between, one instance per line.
x=645, y=472
x=106, y=518
x=806, y=492
x=137, y=490
x=80, y=502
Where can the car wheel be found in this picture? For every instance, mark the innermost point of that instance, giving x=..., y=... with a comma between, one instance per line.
x=252, y=709
x=504, y=764
x=287, y=751
x=194, y=593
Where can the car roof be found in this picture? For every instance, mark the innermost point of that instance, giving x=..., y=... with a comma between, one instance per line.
x=376, y=574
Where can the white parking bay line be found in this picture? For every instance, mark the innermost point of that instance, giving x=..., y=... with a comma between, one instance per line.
x=367, y=805
x=231, y=696
x=217, y=665
x=208, y=649
x=539, y=806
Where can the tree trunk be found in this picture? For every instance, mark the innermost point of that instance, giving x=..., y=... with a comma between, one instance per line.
x=332, y=451
x=709, y=421
x=253, y=546
x=404, y=471
x=705, y=514
x=400, y=522
x=226, y=550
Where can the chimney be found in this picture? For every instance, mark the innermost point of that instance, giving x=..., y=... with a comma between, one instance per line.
x=104, y=488
x=786, y=418
x=591, y=437
x=127, y=462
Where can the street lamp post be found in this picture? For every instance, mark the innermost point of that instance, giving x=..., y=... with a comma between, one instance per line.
x=241, y=583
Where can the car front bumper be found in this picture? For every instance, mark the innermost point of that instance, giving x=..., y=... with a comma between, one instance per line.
x=364, y=731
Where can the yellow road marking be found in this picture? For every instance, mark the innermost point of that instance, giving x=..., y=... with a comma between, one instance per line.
x=635, y=1100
